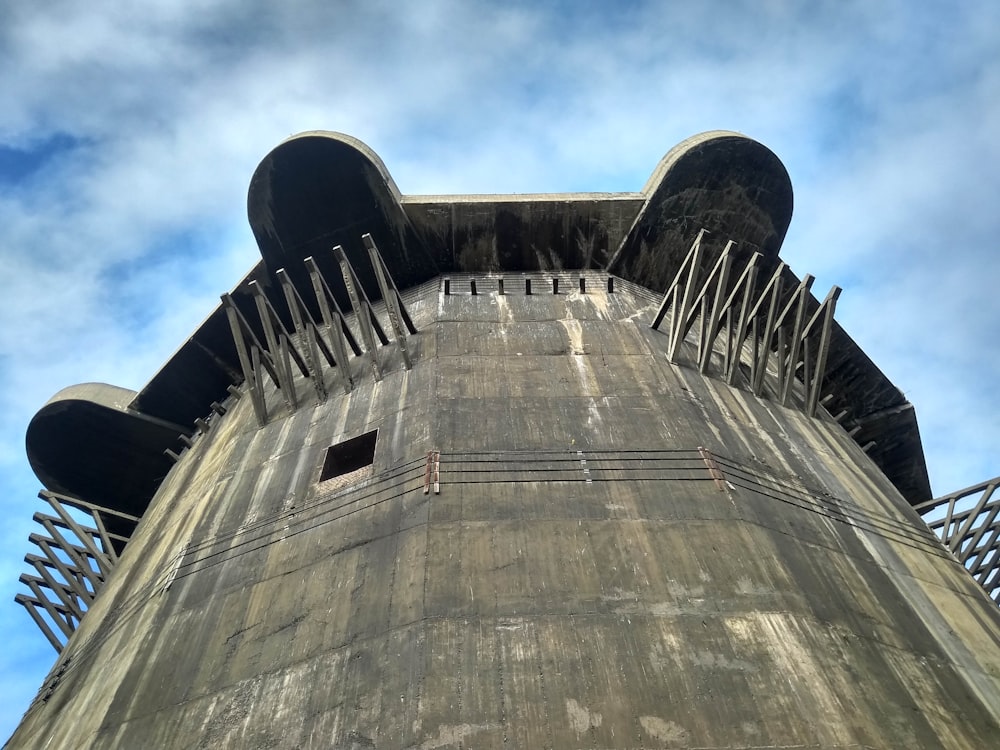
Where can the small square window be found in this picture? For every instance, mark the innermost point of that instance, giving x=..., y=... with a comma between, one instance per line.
x=352, y=457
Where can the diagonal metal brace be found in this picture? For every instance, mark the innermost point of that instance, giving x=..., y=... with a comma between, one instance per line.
x=393, y=302
x=363, y=314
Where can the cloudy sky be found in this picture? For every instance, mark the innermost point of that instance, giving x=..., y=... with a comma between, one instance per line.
x=128, y=137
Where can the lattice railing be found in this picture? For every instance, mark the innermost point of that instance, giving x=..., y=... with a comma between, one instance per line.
x=790, y=331
x=75, y=561
x=314, y=345
x=968, y=522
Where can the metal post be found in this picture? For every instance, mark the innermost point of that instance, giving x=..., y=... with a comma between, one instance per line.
x=305, y=328
x=362, y=311
x=335, y=323
x=393, y=304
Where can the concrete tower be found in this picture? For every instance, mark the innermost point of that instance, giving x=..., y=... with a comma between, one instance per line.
x=584, y=470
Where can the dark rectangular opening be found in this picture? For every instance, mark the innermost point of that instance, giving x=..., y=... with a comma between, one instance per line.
x=348, y=456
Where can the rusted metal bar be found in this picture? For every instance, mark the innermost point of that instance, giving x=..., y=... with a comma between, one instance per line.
x=362, y=310
x=66, y=592
x=749, y=280
x=828, y=308
x=56, y=612
x=79, y=555
x=697, y=307
x=273, y=330
x=677, y=328
x=74, y=582
x=393, y=302
x=305, y=329
x=712, y=325
x=966, y=529
x=325, y=297
x=303, y=320
x=85, y=537
x=236, y=325
x=713, y=468
x=84, y=505
x=335, y=323
x=802, y=296
x=987, y=523
x=42, y=582
x=256, y=358
x=29, y=605
x=669, y=299
x=772, y=293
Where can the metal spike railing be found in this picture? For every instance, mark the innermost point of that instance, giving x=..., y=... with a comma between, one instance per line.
x=75, y=561
x=315, y=346
x=750, y=327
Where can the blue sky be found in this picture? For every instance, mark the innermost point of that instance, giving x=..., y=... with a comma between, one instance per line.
x=128, y=136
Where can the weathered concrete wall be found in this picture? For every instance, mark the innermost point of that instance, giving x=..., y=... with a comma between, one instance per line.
x=787, y=598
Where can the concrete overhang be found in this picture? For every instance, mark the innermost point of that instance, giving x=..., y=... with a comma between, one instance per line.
x=89, y=443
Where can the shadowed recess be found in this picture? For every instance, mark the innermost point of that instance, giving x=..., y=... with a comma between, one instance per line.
x=723, y=182
x=318, y=190
x=85, y=442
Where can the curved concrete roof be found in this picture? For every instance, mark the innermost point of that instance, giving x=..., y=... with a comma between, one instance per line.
x=321, y=189
x=87, y=442
x=721, y=181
